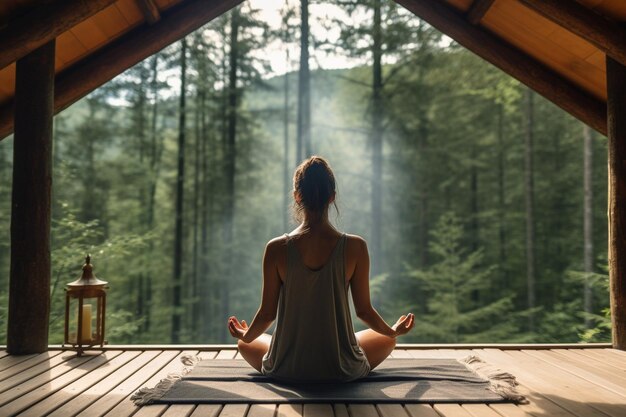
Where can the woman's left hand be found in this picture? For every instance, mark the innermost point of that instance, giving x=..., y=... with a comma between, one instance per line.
x=237, y=329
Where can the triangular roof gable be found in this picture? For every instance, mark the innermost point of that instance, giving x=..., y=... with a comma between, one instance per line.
x=560, y=57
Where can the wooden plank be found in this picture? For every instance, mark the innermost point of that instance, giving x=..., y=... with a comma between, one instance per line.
x=179, y=410
x=440, y=353
x=207, y=410
x=9, y=361
x=605, y=34
x=43, y=23
x=100, y=389
x=478, y=10
x=539, y=404
x=12, y=391
x=616, y=368
x=571, y=393
x=226, y=354
x=27, y=330
x=23, y=397
x=23, y=365
x=605, y=355
x=511, y=28
x=362, y=410
x=85, y=382
x=111, y=399
x=391, y=410
x=318, y=410
x=565, y=94
x=451, y=410
x=405, y=346
x=3, y=353
x=101, y=66
x=262, y=410
x=400, y=353
x=16, y=375
x=234, y=410
x=127, y=408
x=420, y=410
x=341, y=410
x=480, y=410
x=509, y=410
x=616, y=107
x=607, y=380
x=288, y=410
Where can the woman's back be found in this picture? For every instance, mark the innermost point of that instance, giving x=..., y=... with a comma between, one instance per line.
x=306, y=278
x=314, y=338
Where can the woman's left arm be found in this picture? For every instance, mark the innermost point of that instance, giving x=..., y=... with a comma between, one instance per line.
x=269, y=302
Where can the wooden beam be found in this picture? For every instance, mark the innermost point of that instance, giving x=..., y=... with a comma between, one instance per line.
x=616, y=106
x=29, y=288
x=607, y=35
x=90, y=73
x=515, y=62
x=478, y=10
x=150, y=10
x=45, y=22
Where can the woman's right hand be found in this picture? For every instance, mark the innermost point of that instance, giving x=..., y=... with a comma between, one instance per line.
x=404, y=324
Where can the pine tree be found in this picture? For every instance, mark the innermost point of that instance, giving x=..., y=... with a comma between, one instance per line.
x=453, y=315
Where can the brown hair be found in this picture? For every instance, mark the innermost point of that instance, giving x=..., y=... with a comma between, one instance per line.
x=313, y=185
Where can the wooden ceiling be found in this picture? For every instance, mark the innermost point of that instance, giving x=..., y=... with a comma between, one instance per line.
x=533, y=40
x=82, y=39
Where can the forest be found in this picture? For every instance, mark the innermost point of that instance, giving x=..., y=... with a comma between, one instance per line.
x=483, y=204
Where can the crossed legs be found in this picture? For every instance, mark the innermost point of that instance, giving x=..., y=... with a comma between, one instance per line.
x=375, y=345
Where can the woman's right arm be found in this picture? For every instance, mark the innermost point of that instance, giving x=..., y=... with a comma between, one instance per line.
x=362, y=302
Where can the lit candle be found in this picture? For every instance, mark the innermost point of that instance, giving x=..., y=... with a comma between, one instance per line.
x=86, y=330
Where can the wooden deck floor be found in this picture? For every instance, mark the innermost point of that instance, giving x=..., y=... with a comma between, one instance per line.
x=559, y=381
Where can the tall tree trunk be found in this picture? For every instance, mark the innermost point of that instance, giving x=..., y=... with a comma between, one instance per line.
x=286, y=164
x=530, y=203
x=180, y=182
x=230, y=163
x=196, y=213
x=304, y=88
x=141, y=135
x=422, y=148
x=207, y=298
x=474, y=200
x=588, y=221
x=155, y=158
x=501, y=200
x=377, y=140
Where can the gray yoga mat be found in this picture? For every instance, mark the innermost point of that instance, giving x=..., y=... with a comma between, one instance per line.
x=395, y=380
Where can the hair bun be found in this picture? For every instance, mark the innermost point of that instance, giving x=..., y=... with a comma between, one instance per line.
x=314, y=185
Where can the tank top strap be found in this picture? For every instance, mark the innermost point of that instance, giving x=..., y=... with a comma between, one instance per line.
x=340, y=257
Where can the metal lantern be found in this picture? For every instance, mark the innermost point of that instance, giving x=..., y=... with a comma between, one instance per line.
x=85, y=308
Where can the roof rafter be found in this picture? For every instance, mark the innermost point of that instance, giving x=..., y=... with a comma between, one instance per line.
x=103, y=65
x=150, y=10
x=607, y=35
x=515, y=62
x=478, y=10
x=44, y=23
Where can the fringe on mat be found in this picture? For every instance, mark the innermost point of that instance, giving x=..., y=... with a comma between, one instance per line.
x=500, y=382
x=148, y=395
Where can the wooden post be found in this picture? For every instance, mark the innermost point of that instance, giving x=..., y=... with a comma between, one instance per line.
x=29, y=291
x=616, y=112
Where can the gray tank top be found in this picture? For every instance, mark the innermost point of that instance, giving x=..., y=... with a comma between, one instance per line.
x=314, y=340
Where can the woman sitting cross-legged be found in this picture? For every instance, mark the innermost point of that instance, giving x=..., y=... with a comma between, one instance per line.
x=306, y=277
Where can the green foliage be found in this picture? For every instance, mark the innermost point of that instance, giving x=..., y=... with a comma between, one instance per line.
x=453, y=143
x=454, y=312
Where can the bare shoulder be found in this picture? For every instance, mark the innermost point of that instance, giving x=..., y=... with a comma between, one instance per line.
x=355, y=244
x=276, y=245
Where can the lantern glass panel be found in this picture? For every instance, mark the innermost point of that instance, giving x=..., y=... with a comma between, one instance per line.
x=89, y=331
